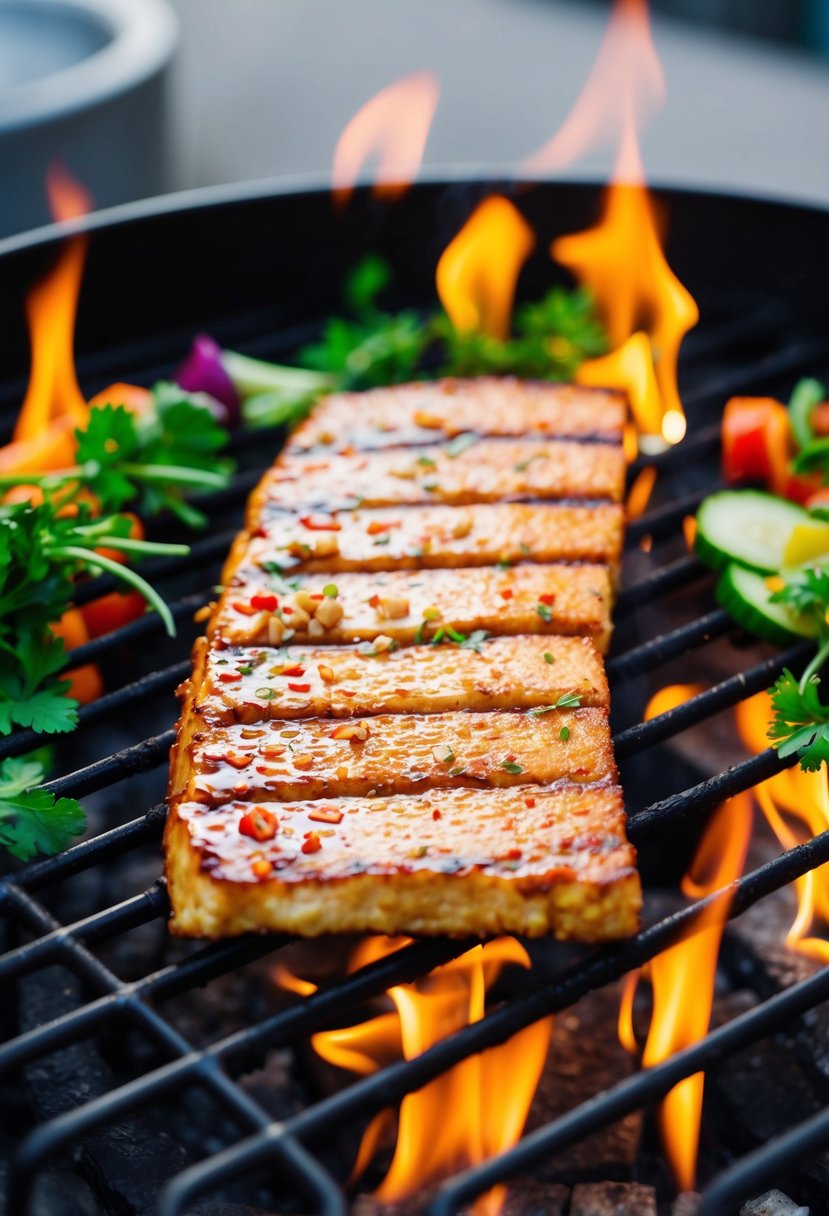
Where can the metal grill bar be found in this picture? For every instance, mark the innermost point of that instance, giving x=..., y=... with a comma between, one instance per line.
x=158, y=681
x=638, y=1091
x=664, y=520
x=667, y=578
x=125, y=763
x=387, y=1087
x=136, y=631
x=767, y=1163
x=668, y=646
x=702, y=797
x=696, y=709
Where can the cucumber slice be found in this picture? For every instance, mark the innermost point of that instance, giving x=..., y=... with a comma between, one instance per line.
x=745, y=596
x=746, y=526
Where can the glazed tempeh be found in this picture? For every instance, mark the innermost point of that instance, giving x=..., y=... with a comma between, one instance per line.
x=252, y=684
x=485, y=470
x=458, y=861
x=431, y=412
x=398, y=722
x=391, y=754
x=425, y=538
x=409, y=606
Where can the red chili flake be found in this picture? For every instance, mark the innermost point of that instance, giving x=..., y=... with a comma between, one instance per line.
x=295, y=669
x=547, y=599
x=261, y=868
x=374, y=602
x=326, y=814
x=229, y=677
x=238, y=759
x=260, y=532
x=320, y=523
x=506, y=594
x=529, y=802
x=319, y=596
x=299, y=687
x=245, y=609
x=288, y=611
x=347, y=692
x=510, y=757
x=259, y=823
x=514, y=854
x=436, y=815
x=311, y=843
x=376, y=527
x=264, y=603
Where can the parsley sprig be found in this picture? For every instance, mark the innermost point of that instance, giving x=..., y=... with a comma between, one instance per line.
x=33, y=820
x=148, y=461
x=800, y=726
x=372, y=346
x=42, y=551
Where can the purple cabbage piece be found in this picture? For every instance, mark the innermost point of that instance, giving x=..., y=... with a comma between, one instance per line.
x=203, y=372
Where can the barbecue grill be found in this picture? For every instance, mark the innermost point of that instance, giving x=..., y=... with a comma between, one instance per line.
x=259, y=270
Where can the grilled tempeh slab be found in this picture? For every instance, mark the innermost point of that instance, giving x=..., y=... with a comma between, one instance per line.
x=391, y=754
x=485, y=470
x=457, y=861
x=427, y=537
x=430, y=412
x=408, y=605
x=241, y=684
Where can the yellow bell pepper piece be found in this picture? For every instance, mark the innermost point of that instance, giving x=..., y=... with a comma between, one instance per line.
x=807, y=542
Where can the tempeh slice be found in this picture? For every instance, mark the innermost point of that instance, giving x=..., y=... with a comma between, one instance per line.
x=251, y=684
x=413, y=605
x=429, y=537
x=391, y=754
x=485, y=470
x=531, y=861
x=429, y=412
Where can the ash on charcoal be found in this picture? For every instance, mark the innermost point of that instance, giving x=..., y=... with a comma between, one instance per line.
x=584, y=1058
x=612, y=1199
x=773, y=1203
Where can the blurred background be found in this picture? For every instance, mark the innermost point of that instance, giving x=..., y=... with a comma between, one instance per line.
x=140, y=97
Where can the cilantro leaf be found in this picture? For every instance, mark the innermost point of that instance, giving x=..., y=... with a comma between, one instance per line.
x=800, y=726
x=32, y=820
x=109, y=439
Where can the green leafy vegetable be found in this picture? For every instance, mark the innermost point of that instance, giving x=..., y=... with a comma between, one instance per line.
x=800, y=726
x=374, y=347
x=510, y=767
x=41, y=552
x=32, y=820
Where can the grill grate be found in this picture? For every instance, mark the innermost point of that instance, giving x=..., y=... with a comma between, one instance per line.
x=263, y=1144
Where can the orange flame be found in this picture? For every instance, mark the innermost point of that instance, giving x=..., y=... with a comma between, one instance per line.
x=53, y=395
x=645, y=307
x=479, y=1106
x=802, y=799
x=478, y=271
x=393, y=127
x=682, y=977
x=639, y=494
x=626, y=80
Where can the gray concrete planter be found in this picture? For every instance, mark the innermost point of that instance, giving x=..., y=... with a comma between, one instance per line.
x=83, y=81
